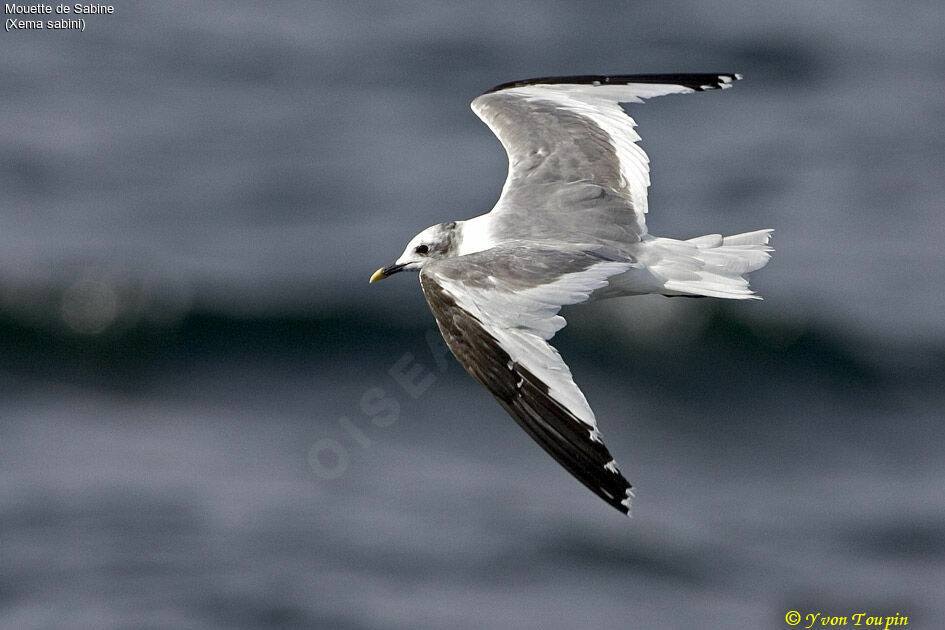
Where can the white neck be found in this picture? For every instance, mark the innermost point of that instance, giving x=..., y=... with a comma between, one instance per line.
x=475, y=235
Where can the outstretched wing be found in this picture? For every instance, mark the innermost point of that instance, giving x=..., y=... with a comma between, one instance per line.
x=573, y=153
x=496, y=310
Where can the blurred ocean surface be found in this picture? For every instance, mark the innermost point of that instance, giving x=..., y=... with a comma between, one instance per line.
x=192, y=197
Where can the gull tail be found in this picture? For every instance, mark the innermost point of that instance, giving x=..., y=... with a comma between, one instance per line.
x=712, y=265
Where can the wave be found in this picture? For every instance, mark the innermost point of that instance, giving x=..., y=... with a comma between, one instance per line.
x=718, y=337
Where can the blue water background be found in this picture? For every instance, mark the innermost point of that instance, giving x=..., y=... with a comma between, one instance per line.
x=192, y=197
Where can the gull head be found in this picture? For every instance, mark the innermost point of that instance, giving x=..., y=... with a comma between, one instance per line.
x=435, y=242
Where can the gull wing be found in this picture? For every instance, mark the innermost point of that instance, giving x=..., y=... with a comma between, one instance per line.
x=575, y=170
x=496, y=310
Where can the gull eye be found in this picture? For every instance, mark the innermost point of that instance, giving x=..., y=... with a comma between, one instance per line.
x=421, y=249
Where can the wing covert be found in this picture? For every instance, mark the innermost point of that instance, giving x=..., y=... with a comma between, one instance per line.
x=496, y=310
x=573, y=152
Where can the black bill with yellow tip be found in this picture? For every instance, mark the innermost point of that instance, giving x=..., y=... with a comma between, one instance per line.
x=383, y=272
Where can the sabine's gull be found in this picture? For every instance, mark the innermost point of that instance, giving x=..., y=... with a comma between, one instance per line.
x=568, y=227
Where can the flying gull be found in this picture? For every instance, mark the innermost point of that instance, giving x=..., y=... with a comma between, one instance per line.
x=568, y=228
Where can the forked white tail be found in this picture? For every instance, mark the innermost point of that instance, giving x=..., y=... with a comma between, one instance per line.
x=710, y=265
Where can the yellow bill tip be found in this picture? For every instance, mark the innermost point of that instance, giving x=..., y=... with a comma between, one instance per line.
x=377, y=275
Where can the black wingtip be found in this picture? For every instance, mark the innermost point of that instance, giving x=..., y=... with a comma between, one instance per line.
x=698, y=82
x=573, y=443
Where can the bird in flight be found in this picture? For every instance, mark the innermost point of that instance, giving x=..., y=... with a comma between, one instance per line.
x=569, y=227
